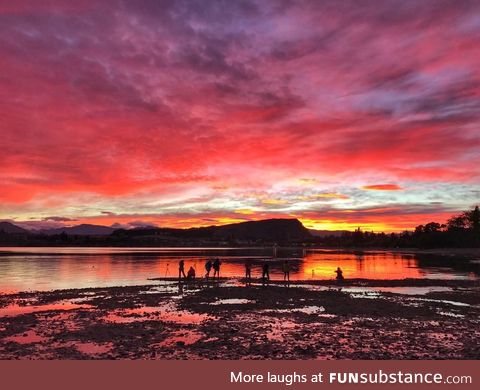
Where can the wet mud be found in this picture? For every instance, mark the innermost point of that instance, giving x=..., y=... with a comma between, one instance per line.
x=228, y=319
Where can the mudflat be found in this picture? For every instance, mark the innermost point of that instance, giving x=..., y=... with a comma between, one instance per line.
x=231, y=319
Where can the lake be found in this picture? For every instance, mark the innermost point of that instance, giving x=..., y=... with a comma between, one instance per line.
x=42, y=269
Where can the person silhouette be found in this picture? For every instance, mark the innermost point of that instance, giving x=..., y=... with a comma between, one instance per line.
x=339, y=273
x=216, y=267
x=181, y=269
x=208, y=267
x=248, y=269
x=265, y=272
x=286, y=271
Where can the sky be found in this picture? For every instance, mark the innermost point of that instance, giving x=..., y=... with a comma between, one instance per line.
x=342, y=114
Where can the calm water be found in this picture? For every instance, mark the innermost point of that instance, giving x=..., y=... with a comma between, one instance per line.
x=24, y=269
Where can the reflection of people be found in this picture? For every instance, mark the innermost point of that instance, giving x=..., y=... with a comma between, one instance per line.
x=248, y=269
x=216, y=268
x=181, y=269
x=286, y=270
x=208, y=267
x=339, y=273
x=265, y=271
x=191, y=274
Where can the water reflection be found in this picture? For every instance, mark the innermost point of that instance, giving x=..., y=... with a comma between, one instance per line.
x=61, y=268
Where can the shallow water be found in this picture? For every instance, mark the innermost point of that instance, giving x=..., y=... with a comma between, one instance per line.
x=41, y=269
x=15, y=309
x=165, y=313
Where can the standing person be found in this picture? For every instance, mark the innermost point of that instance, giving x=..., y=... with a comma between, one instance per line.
x=286, y=271
x=181, y=269
x=265, y=272
x=248, y=269
x=216, y=267
x=339, y=273
x=208, y=267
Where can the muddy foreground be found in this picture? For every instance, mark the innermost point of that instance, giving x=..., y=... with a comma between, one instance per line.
x=405, y=319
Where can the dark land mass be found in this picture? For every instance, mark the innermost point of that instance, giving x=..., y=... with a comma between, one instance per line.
x=461, y=231
x=81, y=230
x=268, y=231
x=226, y=319
x=7, y=228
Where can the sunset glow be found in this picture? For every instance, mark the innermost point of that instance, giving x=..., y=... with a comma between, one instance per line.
x=179, y=114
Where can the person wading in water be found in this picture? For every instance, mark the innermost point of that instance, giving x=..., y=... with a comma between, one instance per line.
x=208, y=267
x=181, y=269
x=339, y=273
x=265, y=272
x=286, y=271
x=216, y=268
x=248, y=270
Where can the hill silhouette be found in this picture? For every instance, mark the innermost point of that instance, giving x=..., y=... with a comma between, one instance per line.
x=10, y=228
x=268, y=229
x=82, y=230
x=460, y=231
x=265, y=232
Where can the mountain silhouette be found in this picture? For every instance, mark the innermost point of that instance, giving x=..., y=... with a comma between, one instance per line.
x=268, y=229
x=82, y=230
x=10, y=228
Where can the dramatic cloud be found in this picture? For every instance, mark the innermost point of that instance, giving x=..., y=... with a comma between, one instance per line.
x=182, y=113
x=382, y=187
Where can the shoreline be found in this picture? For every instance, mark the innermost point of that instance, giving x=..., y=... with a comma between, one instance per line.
x=228, y=319
x=143, y=251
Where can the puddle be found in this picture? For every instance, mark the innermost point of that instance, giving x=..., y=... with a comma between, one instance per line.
x=450, y=314
x=232, y=301
x=309, y=310
x=325, y=315
x=15, y=310
x=306, y=310
x=375, y=292
x=93, y=348
x=412, y=290
x=29, y=337
x=167, y=313
x=442, y=301
x=181, y=338
x=361, y=292
x=279, y=329
x=166, y=286
x=78, y=301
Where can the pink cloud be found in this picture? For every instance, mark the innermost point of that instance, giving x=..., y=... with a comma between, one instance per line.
x=382, y=187
x=119, y=99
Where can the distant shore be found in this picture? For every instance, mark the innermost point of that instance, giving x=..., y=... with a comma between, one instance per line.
x=4, y=251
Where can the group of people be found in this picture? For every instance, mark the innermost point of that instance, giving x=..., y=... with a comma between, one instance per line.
x=266, y=270
x=181, y=271
x=215, y=265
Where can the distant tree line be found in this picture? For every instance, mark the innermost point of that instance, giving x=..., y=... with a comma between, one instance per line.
x=460, y=231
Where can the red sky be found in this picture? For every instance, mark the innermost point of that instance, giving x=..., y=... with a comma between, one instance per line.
x=188, y=113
